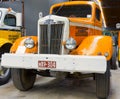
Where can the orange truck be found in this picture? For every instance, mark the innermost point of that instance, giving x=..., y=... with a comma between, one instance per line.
x=10, y=30
x=69, y=42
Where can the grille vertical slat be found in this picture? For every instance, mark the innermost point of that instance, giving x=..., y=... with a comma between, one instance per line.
x=55, y=38
x=43, y=39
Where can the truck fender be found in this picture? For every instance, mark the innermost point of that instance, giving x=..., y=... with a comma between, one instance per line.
x=4, y=41
x=96, y=45
x=5, y=46
x=19, y=47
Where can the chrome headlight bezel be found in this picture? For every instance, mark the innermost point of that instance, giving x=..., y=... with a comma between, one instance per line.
x=29, y=43
x=70, y=43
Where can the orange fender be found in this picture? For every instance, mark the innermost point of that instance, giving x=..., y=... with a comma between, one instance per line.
x=95, y=45
x=19, y=45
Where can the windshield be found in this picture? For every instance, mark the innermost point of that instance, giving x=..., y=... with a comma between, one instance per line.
x=73, y=11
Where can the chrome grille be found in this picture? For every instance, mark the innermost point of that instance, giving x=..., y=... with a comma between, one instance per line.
x=50, y=38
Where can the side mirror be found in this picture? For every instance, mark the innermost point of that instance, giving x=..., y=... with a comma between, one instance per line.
x=40, y=15
x=19, y=19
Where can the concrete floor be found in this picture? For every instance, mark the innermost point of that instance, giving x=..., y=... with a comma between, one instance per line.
x=50, y=88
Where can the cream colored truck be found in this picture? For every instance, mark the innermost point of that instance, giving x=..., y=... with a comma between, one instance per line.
x=10, y=30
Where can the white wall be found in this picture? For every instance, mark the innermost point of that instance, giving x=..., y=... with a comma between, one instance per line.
x=32, y=9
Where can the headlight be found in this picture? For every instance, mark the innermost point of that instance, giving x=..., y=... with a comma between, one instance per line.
x=29, y=43
x=70, y=44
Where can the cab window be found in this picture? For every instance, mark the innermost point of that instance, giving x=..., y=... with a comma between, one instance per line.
x=83, y=11
x=98, y=14
x=10, y=20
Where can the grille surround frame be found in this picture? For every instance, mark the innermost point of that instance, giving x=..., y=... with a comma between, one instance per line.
x=55, y=20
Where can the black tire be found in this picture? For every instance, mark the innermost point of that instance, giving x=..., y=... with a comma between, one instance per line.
x=5, y=75
x=119, y=63
x=23, y=79
x=114, y=58
x=118, y=58
x=103, y=84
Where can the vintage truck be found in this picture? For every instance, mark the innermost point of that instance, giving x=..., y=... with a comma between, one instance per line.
x=69, y=42
x=10, y=30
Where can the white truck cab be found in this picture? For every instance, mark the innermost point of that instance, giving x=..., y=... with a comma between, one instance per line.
x=10, y=19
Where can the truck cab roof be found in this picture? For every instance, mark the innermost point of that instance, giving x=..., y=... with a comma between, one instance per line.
x=7, y=10
x=75, y=9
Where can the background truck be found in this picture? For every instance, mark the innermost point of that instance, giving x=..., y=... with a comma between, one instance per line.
x=70, y=43
x=9, y=32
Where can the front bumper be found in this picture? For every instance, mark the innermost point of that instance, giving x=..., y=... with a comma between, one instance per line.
x=65, y=63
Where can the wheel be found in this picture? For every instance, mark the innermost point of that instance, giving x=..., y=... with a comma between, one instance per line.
x=113, y=60
x=103, y=83
x=5, y=75
x=23, y=79
x=119, y=63
x=119, y=57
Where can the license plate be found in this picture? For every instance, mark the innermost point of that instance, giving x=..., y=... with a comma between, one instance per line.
x=47, y=64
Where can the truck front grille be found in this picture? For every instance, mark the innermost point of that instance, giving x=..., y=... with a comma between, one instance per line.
x=50, y=38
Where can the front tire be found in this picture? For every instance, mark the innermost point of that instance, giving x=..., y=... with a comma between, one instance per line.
x=103, y=84
x=5, y=75
x=23, y=79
